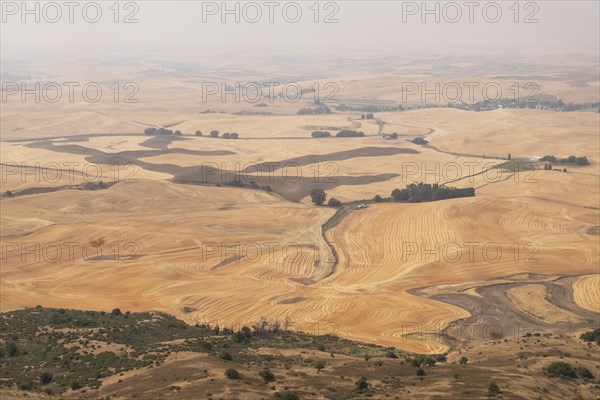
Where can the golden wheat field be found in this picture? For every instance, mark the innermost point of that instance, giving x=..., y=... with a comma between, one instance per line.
x=163, y=239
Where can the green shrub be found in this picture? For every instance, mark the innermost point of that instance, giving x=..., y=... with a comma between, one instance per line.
x=493, y=389
x=584, y=373
x=232, y=374
x=362, y=384
x=288, y=396
x=267, y=375
x=560, y=369
x=45, y=378
x=391, y=354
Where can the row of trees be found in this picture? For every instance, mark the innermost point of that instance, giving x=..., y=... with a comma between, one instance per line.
x=342, y=133
x=569, y=160
x=315, y=111
x=413, y=193
x=349, y=133
x=369, y=108
x=160, y=131
x=367, y=116
x=417, y=193
x=213, y=133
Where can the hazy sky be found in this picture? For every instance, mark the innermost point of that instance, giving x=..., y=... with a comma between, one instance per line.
x=381, y=27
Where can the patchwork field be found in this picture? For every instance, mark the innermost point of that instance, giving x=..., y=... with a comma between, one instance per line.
x=232, y=255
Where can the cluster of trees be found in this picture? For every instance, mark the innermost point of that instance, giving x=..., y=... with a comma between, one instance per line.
x=420, y=140
x=563, y=370
x=318, y=197
x=315, y=111
x=349, y=133
x=413, y=193
x=416, y=193
x=569, y=160
x=369, y=108
x=591, y=336
x=367, y=116
x=320, y=134
x=160, y=131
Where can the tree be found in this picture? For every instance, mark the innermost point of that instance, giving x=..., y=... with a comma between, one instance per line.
x=45, y=378
x=349, y=133
x=214, y=134
x=319, y=366
x=233, y=135
x=463, y=360
x=420, y=372
x=267, y=375
x=116, y=312
x=362, y=384
x=178, y=132
x=225, y=135
x=232, y=373
x=509, y=157
x=198, y=133
x=150, y=131
x=333, y=202
x=493, y=389
x=377, y=199
x=225, y=356
x=164, y=131
x=320, y=134
x=318, y=196
x=420, y=140
x=400, y=195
